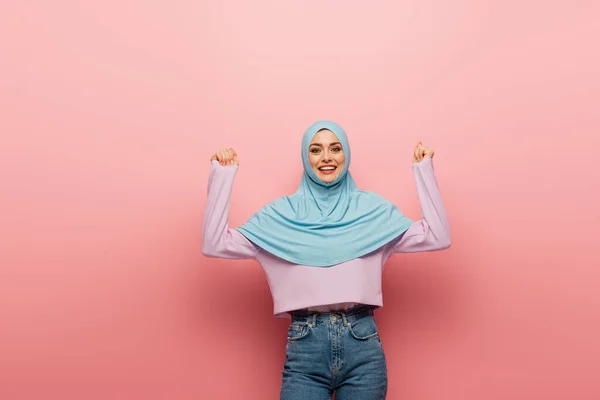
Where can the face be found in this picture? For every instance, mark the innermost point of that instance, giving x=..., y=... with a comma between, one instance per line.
x=326, y=156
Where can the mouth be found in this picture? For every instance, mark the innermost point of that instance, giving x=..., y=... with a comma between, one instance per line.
x=327, y=169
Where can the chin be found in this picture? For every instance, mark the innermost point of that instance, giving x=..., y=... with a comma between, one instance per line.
x=328, y=178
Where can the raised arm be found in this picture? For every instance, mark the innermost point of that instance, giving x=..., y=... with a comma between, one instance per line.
x=433, y=231
x=218, y=240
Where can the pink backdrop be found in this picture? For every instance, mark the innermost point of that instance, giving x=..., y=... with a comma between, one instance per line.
x=110, y=111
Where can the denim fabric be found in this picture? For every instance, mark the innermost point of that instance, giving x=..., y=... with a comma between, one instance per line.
x=338, y=351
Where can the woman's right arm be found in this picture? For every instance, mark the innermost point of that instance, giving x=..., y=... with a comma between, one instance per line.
x=218, y=240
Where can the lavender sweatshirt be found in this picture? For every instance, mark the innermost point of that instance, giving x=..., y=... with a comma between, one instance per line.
x=294, y=286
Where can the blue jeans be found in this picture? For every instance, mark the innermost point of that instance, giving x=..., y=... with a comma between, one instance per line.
x=329, y=352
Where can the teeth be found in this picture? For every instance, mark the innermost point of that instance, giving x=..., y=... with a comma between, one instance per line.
x=327, y=168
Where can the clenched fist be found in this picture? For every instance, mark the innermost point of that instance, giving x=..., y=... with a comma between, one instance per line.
x=421, y=152
x=226, y=156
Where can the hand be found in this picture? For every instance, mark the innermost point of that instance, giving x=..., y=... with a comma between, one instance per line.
x=226, y=156
x=421, y=152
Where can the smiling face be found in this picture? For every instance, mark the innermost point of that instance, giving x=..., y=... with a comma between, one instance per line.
x=326, y=156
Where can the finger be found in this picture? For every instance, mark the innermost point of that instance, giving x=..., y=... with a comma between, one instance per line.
x=419, y=153
x=416, y=153
x=426, y=151
x=229, y=156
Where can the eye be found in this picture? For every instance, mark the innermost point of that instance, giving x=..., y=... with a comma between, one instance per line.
x=336, y=149
x=315, y=150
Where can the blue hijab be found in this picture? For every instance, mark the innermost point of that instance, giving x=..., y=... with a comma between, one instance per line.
x=325, y=224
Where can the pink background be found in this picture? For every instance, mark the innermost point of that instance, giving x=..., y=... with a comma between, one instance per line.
x=110, y=111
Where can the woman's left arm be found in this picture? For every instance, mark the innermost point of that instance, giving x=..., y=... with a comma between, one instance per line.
x=433, y=231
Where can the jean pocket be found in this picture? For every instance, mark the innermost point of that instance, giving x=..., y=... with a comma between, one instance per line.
x=297, y=330
x=363, y=328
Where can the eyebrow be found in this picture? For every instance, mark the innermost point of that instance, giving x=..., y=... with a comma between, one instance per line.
x=330, y=144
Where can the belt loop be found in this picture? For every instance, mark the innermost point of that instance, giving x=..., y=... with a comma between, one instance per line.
x=344, y=319
x=313, y=319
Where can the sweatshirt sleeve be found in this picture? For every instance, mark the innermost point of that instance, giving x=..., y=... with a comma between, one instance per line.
x=218, y=240
x=433, y=231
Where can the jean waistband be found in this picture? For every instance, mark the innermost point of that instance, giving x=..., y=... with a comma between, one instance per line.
x=352, y=313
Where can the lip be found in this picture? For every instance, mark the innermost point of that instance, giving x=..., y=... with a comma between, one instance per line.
x=327, y=172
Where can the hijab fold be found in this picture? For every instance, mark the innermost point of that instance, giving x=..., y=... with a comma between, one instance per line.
x=324, y=224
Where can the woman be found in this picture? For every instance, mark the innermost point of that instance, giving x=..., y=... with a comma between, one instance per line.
x=323, y=250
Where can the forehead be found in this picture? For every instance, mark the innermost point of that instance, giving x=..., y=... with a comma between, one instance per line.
x=324, y=136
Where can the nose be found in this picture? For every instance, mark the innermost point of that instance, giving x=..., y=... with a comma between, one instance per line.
x=326, y=156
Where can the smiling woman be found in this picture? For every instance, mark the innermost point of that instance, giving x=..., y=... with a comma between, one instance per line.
x=323, y=249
